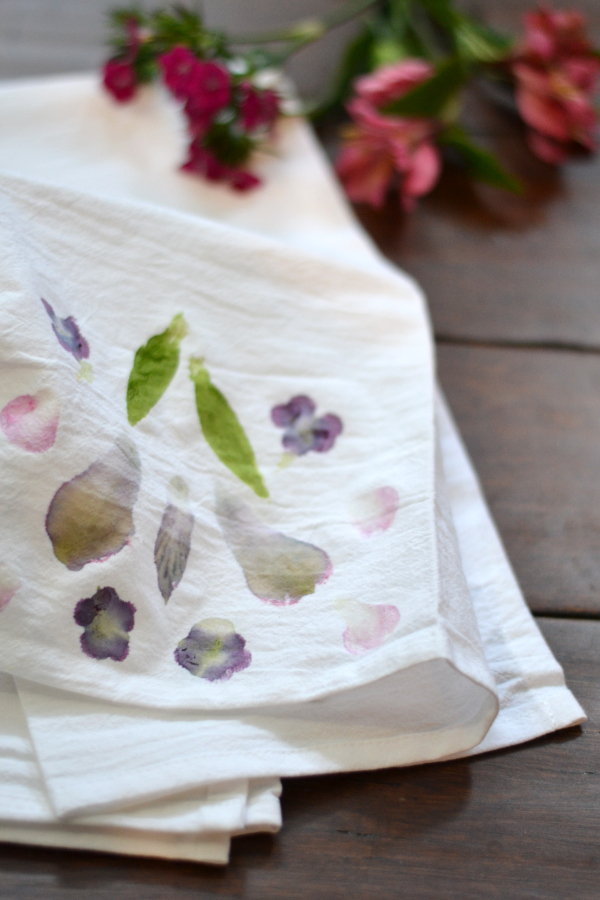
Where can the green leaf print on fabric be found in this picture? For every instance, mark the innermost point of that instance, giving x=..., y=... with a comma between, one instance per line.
x=153, y=369
x=222, y=430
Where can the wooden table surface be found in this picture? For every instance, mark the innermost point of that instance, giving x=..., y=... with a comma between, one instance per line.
x=514, y=289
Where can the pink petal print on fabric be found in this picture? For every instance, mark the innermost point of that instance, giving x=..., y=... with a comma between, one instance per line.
x=375, y=511
x=30, y=421
x=9, y=585
x=368, y=626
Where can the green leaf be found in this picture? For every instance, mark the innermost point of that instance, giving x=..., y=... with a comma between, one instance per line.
x=433, y=96
x=153, y=369
x=480, y=164
x=442, y=12
x=387, y=52
x=227, y=144
x=222, y=429
x=481, y=44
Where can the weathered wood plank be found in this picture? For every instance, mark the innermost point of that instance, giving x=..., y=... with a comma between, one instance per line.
x=520, y=824
x=531, y=420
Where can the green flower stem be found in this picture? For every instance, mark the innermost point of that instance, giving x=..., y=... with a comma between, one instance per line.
x=307, y=30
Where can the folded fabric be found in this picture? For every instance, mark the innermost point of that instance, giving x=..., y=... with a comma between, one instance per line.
x=195, y=827
x=377, y=621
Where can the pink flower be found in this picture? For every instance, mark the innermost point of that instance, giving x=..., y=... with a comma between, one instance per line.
x=240, y=180
x=178, y=67
x=378, y=147
x=205, y=86
x=556, y=76
x=120, y=79
x=31, y=422
x=391, y=82
x=201, y=161
x=258, y=109
x=209, y=88
x=198, y=121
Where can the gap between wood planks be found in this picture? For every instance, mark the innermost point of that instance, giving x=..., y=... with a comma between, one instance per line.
x=510, y=343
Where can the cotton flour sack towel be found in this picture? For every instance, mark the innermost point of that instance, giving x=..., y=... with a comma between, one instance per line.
x=242, y=538
x=219, y=460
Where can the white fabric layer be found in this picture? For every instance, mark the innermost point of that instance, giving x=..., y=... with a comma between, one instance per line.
x=65, y=132
x=196, y=827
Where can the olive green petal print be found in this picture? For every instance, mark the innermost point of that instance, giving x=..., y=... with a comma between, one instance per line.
x=278, y=569
x=91, y=516
x=222, y=430
x=153, y=369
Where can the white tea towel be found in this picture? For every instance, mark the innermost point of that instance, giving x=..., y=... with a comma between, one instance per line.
x=275, y=563
x=108, y=150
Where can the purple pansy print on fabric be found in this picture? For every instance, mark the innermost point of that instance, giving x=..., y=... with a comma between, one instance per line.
x=106, y=620
x=68, y=334
x=213, y=650
x=305, y=431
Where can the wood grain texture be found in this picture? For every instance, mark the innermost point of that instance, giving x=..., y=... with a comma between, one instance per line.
x=531, y=421
x=519, y=824
x=496, y=266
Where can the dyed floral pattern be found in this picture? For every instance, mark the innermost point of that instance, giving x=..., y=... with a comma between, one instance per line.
x=278, y=569
x=368, y=626
x=213, y=650
x=107, y=621
x=172, y=546
x=9, y=585
x=375, y=510
x=222, y=429
x=30, y=421
x=91, y=516
x=68, y=334
x=305, y=431
x=153, y=370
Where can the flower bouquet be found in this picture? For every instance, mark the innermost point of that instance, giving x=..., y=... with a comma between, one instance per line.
x=401, y=81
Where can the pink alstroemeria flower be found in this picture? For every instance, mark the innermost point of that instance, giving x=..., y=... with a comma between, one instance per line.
x=379, y=146
x=556, y=77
